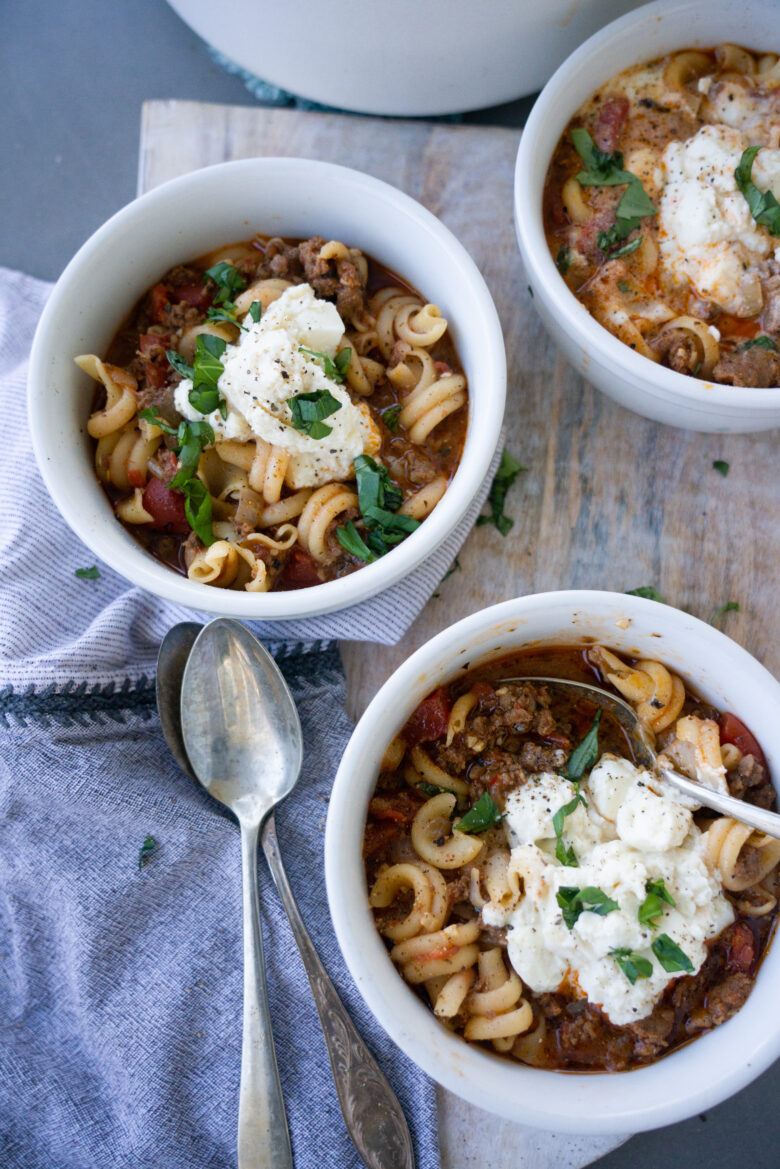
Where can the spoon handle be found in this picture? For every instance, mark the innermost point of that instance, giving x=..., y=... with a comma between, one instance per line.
x=372, y=1113
x=263, y=1138
x=758, y=818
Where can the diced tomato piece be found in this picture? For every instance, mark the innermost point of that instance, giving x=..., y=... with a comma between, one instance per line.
x=377, y=836
x=441, y=368
x=741, y=949
x=610, y=122
x=156, y=365
x=197, y=295
x=429, y=721
x=136, y=478
x=166, y=506
x=400, y=808
x=558, y=739
x=160, y=302
x=484, y=692
x=299, y=572
x=733, y=730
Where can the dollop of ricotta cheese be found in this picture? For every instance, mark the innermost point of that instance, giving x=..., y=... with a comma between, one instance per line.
x=708, y=237
x=632, y=831
x=265, y=367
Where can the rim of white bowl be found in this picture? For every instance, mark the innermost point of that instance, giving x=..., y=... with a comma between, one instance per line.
x=482, y=435
x=562, y=1102
x=618, y=34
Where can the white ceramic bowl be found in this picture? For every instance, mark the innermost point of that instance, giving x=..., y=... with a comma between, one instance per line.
x=611, y=366
x=187, y=217
x=440, y=57
x=686, y=1082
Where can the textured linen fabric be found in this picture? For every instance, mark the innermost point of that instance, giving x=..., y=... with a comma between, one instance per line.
x=104, y=631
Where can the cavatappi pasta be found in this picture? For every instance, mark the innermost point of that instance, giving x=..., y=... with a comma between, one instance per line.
x=647, y=212
x=260, y=400
x=447, y=900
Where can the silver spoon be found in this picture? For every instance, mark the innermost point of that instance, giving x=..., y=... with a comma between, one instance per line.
x=264, y=712
x=646, y=756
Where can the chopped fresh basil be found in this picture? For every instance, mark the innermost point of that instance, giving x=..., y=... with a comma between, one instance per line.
x=152, y=415
x=351, y=542
x=564, y=855
x=145, y=850
x=430, y=789
x=763, y=205
x=197, y=508
x=482, y=816
x=454, y=568
x=224, y=314
x=563, y=259
x=375, y=488
x=722, y=467
x=627, y=249
x=308, y=411
x=179, y=364
x=88, y=573
x=670, y=955
x=223, y=409
x=192, y=438
x=228, y=280
x=602, y=169
x=624, y=286
x=632, y=964
x=392, y=526
x=255, y=310
x=573, y=902
x=585, y=753
x=390, y=419
x=696, y=368
x=635, y=202
x=729, y=607
x=653, y=905
x=206, y=364
x=335, y=368
x=508, y=470
x=762, y=342
x=649, y=592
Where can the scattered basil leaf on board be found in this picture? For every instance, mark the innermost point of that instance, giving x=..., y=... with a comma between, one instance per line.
x=390, y=418
x=454, y=568
x=255, y=310
x=483, y=815
x=508, y=470
x=649, y=592
x=308, y=411
x=88, y=573
x=670, y=955
x=228, y=280
x=653, y=905
x=146, y=850
x=585, y=753
x=574, y=901
x=729, y=607
x=762, y=342
x=763, y=205
x=632, y=964
x=722, y=467
x=351, y=542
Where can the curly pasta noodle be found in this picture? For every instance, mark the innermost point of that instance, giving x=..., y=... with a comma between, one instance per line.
x=429, y=905
x=132, y=511
x=268, y=470
x=461, y=709
x=657, y=694
x=684, y=68
x=421, y=768
x=424, y=501
x=229, y=563
x=742, y=857
x=445, y=951
x=496, y=1007
x=189, y=337
x=264, y=291
x=427, y=406
x=435, y=839
x=122, y=457
x=696, y=749
x=707, y=348
x=121, y=399
x=324, y=507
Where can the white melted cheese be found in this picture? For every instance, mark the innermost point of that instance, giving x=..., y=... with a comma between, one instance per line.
x=266, y=367
x=633, y=830
x=708, y=237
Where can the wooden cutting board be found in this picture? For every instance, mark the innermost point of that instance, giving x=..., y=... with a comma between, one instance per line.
x=609, y=500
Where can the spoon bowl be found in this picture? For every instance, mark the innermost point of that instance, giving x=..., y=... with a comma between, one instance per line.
x=643, y=744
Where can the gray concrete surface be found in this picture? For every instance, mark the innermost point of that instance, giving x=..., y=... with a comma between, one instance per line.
x=73, y=76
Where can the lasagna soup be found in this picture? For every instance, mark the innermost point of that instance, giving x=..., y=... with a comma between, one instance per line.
x=277, y=414
x=548, y=896
x=661, y=210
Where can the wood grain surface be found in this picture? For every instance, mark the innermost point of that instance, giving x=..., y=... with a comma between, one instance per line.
x=609, y=500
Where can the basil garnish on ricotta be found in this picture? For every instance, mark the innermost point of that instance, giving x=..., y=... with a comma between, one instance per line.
x=763, y=205
x=308, y=411
x=575, y=901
